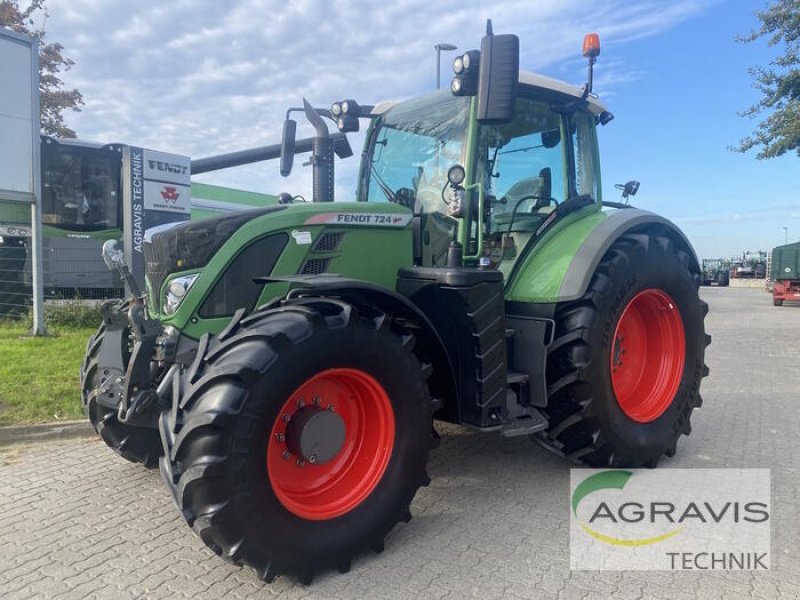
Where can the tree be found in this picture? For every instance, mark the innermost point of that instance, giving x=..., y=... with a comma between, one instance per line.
x=779, y=83
x=53, y=99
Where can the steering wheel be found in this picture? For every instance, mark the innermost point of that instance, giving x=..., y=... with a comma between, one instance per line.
x=536, y=206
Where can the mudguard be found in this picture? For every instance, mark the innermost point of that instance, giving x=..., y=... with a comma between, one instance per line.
x=560, y=266
x=362, y=293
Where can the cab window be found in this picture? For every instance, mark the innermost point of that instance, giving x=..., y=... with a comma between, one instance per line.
x=587, y=181
x=522, y=167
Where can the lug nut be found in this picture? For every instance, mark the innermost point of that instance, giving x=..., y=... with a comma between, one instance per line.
x=312, y=459
x=330, y=407
x=317, y=400
x=280, y=437
x=300, y=403
x=300, y=462
x=286, y=418
x=286, y=454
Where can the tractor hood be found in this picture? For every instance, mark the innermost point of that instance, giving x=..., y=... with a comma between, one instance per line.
x=218, y=260
x=190, y=245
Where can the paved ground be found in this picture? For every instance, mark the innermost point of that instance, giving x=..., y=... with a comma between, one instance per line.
x=77, y=522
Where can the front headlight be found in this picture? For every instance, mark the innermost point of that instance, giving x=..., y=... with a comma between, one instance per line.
x=176, y=291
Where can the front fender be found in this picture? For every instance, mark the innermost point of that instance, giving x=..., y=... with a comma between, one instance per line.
x=561, y=266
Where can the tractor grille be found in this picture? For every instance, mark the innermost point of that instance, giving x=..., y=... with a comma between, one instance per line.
x=328, y=242
x=315, y=266
x=157, y=260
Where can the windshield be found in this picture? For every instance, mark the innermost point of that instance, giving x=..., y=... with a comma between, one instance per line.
x=80, y=187
x=414, y=144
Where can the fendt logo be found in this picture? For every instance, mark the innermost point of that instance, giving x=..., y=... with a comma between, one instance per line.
x=167, y=167
x=646, y=519
x=170, y=194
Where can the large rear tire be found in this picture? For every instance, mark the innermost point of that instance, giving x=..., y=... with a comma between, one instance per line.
x=625, y=367
x=301, y=439
x=136, y=444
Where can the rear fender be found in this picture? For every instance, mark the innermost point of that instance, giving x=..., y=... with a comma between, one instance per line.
x=561, y=266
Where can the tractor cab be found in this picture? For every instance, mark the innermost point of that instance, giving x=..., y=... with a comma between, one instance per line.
x=519, y=171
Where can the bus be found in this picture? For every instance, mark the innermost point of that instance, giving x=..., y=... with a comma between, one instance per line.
x=81, y=209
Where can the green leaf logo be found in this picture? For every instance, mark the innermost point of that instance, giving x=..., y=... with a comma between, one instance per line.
x=604, y=481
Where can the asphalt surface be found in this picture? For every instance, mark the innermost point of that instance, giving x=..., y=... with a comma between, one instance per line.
x=76, y=521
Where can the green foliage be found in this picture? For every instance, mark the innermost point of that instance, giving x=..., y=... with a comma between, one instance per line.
x=68, y=314
x=72, y=315
x=53, y=99
x=779, y=83
x=39, y=375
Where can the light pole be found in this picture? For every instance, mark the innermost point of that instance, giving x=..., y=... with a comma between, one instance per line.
x=785, y=235
x=439, y=48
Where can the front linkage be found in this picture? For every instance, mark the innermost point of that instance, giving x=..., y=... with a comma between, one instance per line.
x=125, y=382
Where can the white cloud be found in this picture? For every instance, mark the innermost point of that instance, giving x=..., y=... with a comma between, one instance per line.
x=201, y=77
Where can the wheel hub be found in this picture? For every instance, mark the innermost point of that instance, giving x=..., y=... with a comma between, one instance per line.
x=315, y=435
x=648, y=355
x=330, y=443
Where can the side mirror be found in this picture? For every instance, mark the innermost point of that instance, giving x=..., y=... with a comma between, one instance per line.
x=287, y=146
x=342, y=147
x=551, y=138
x=546, y=176
x=498, y=77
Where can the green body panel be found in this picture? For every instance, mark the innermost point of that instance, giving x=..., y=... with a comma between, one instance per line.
x=239, y=199
x=540, y=277
x=14, y=213
x=371, y=253
x=786, y=262
x=224, y=194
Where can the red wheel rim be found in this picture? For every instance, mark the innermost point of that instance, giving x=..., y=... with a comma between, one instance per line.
x=648, y=354
x=329, y=490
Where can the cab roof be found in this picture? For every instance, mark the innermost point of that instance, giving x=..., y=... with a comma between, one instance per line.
x=534, y=80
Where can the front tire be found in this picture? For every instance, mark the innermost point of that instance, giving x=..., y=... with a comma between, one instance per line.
x=136, y=444
x=625, y=367
x=301, y=439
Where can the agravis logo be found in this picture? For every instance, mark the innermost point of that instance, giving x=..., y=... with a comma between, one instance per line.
x=643, y=519
x=611, y=480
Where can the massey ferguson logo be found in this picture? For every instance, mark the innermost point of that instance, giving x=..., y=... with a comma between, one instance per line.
x=170, y=194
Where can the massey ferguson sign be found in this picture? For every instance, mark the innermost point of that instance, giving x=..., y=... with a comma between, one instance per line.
x=156, y=190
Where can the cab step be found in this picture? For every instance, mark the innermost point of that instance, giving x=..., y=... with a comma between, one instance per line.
x=526, y=421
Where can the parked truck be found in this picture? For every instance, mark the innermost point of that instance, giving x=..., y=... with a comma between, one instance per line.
x=284, y=366
x=785, y=273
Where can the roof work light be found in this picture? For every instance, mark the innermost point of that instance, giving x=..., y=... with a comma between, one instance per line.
x=465, y=67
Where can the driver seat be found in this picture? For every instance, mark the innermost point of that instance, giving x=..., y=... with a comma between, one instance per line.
x=530, y=186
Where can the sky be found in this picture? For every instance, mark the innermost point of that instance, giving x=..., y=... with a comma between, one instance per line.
x=203, y=77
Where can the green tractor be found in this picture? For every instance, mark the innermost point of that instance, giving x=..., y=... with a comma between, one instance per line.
x=285, y=366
